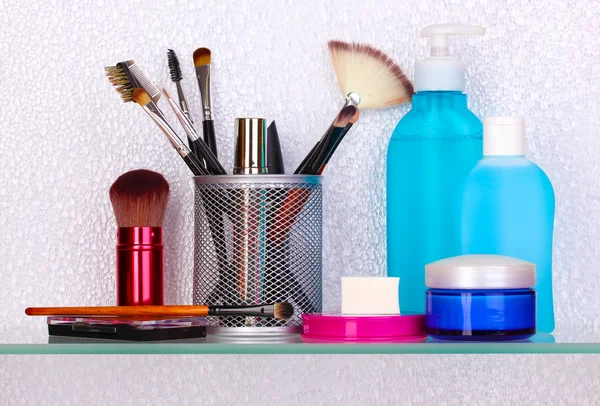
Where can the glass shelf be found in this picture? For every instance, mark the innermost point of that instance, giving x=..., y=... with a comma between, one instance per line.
x=537, y=345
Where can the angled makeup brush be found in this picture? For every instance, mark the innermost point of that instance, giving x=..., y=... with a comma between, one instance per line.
x=318, y=158
x=202, y=58
x=176, y=76
x=281, y=311
x=371, y=74
x=198, y=146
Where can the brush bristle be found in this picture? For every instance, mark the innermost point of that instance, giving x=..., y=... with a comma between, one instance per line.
x=143, y=80
x=117, y=77
x=370, y=73
x=345, y=116
x=140, y=96
x=283, y=311
x=354, y=118
x=201, y=56
x=139, y=199
x=174, y=67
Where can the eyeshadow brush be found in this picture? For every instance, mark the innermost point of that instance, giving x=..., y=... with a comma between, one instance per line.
x=276, y=310
x=202, y=59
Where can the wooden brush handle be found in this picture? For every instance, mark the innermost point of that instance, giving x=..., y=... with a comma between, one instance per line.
x=121, y=311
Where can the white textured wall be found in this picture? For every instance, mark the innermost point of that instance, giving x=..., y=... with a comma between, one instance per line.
x=66, y=136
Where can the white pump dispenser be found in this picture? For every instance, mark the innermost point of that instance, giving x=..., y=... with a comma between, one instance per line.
x=441, y=71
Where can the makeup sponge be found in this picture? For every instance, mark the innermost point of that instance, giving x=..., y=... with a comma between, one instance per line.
x=370, y=295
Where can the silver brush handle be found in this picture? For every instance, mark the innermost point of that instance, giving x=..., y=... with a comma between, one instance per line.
x=154, y=112
x=183, y=102
x=183, y=118
x=198, y=146
x=203, y=75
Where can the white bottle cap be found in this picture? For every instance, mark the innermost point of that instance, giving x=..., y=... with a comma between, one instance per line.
x=480, y=272
x=503, y=136
x=441, y=71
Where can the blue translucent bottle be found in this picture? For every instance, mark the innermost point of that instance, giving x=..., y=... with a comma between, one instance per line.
x=508, y=208
x=431, y=151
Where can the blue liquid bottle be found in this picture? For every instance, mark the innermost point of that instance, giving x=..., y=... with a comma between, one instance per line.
x=431, y=151
x=508, y=208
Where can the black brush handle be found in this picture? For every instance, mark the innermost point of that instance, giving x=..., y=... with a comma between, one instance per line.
x=212, y=163
x=208, y=129
x=306, y=159
x=195, y=166
x=337, y=138
x=322, y=154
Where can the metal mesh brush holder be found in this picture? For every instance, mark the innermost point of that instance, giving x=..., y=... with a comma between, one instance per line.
x=258, y=239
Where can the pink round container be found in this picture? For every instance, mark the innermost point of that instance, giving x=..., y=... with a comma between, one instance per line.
x=323, y=327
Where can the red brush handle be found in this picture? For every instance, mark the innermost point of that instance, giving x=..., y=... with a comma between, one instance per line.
x=140, y=264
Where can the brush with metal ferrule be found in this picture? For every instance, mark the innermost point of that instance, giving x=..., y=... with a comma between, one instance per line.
x=351, y=100
x=139, y=199
x=337, y=138
x=176, y=76
x=118, y=78
x=198, y=146
x=321, y=153
x=367, y=71
x=125, y=83
x=202, y=59
x=282, y=311
x=143, y=99
x=136, y=78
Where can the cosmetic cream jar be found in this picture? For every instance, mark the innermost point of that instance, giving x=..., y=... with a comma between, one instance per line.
x=480, y=297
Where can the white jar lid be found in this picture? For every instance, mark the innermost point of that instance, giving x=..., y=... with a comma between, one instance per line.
x=480, y=272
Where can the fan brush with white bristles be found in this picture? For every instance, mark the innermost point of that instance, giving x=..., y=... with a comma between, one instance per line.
x=371, y=74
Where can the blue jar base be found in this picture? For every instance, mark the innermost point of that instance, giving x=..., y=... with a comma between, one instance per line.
x=480, y=335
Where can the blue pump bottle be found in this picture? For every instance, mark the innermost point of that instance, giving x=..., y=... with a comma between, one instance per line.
x=508, y=208
x=431, y=151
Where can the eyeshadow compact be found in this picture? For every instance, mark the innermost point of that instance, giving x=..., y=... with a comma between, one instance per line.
x=124, y=329
x=480, y=297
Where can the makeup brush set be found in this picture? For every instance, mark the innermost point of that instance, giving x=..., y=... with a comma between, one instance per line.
x=257, y=234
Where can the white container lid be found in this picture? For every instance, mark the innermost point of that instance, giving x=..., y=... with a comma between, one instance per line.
x=504, y=136
x=480, y=272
